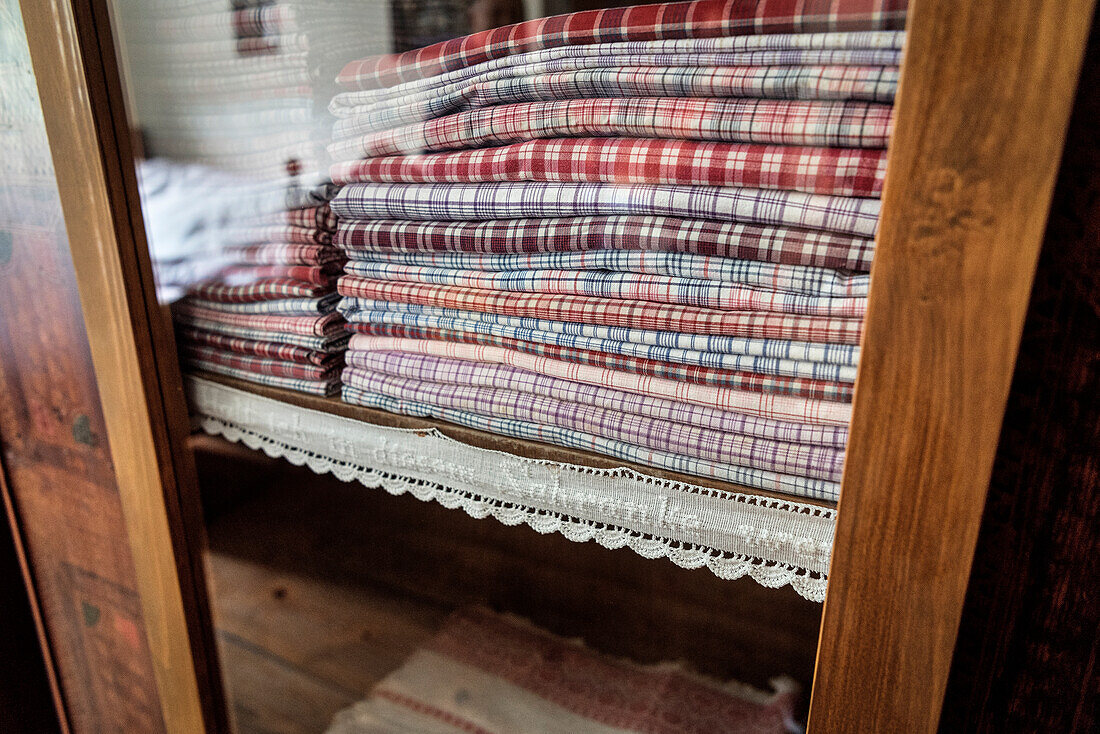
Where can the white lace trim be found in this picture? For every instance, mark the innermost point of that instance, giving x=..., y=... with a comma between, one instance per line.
x=776, y=542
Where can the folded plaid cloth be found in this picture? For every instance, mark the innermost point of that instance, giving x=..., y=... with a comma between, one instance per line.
x=334, y=340
x=818, y=462
x=873, y=48
x=838, y=214
x=829, y=171
x=278, y=233
x=324, y=388
x=287, y=254
x=570, y=438
x=633, y=286
x=830, y=124
x=318, y=217
x=838, y=354
x=518, y=79
x=329, y=324
x=644, y=234
x=591, y=310
x=768, y=405
x=700, y=19
x=482, y=374
x=263, y=365
x=716, y=360
x=538, y=84
x=795, y=386
x=265, y=289
x=793, y=278
x=314, y=274
x=271, y=350
x=286, y=306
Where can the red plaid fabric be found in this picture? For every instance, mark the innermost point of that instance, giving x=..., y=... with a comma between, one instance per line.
x=286, y=254
x=262, y=290
x=831, y=124
x=637, y=233
x=328, y=324
x=781, y=385
x=270, y=350
x=611, y=312
x=280, y=233
x=701, y=19
x=261, y=365
x=832, y=171
x=316, y=217
x=313, y=274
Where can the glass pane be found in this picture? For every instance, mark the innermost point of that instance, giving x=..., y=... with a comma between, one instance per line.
x=602, y=274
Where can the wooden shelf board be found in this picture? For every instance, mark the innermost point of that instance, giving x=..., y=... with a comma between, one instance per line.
x=481, y=439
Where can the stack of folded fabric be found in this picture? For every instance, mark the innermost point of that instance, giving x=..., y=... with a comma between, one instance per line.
x=644, y=232
x=269, y=316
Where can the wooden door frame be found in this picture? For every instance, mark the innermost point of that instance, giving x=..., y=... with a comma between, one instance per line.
x=141, y=391
x=980, y=119
x=972, y=166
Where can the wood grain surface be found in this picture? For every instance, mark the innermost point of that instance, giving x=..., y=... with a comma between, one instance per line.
x=1028, y=656
x=985, y=94
x=72, y=55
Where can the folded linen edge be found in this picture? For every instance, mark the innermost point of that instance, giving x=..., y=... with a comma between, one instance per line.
x=783, y=541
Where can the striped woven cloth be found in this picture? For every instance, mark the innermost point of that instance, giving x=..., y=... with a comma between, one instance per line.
x=632, y=286
x=699, y=19
x=285, y=306
x=818, y=462
x=264, y=365
x=828, y=171
x=838, y=354
x=262, y=289
x=751, y=273
x=871, y=48
x=466, y=372
x=768, y=405
x=632, y=233
x=608, y=312
x=268, y=349
x=539, y=84
x=335, y=339
x=570, y=438
x=839, y=214
x=324, y=388
x=777, y=384
x=829, y=124
x=325, y=325
x=713, y=360
x=278, y=253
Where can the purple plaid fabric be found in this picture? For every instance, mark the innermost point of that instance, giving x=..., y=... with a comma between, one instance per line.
x=819, y=462
x=468, y=373
x=768, y=405
x=829, y=124
x=744, y=476
x=819, y=83
x=633, y=286
x=792, y=278
x=841, y=215
x=635, y=234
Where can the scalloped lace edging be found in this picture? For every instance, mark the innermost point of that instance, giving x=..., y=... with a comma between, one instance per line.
x=769, y=573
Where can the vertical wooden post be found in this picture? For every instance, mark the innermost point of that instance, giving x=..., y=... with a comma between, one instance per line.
x=981, y=115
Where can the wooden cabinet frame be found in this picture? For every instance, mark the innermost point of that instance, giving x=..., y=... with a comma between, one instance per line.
x=985, y=96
